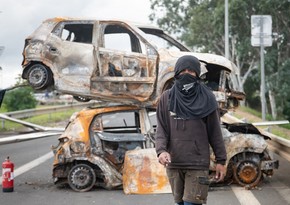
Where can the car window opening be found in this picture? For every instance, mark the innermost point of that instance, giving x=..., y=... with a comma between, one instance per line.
x=127, y=44
x=213, y=77
x=80, y=33
x=121, y=38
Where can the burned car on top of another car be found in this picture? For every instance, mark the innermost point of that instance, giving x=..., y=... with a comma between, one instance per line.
x=112, y=60
x=129, y=64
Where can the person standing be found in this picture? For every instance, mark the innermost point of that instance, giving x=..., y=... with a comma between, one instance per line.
x=188, y=123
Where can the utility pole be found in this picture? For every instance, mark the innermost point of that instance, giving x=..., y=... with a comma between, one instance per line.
x=227, y=54
x=262, y=37
x=263, y=98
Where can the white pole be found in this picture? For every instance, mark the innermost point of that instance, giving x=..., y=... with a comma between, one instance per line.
x=263, y=99
x=227, y=55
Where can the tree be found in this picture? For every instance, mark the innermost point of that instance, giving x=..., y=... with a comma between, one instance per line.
x=200, y=24
x=20, y=99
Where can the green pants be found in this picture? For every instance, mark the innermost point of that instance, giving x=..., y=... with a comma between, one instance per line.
x=186, y=187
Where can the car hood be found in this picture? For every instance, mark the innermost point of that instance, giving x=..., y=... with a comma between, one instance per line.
x=170, y=57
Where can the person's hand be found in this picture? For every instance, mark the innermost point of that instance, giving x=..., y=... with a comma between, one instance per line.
x=164, y=158
x=220, y=172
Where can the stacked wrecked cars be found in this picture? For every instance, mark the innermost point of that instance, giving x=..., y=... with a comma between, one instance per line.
x=127, y=66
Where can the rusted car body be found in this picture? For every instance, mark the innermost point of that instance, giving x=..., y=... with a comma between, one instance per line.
x=248, y=156
x=92, y=148
x=113, y=60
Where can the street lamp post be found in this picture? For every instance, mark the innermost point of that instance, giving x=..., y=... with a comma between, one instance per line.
x=227, y=29
x=263, y=98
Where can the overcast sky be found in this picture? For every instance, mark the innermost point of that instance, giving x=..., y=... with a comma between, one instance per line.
x=19, y=18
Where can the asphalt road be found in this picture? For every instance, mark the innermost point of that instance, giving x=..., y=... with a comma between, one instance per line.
x=34, y=185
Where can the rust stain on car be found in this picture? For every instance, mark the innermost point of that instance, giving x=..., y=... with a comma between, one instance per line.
x=143, y=174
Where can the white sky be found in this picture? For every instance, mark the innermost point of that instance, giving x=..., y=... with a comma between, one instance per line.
x=19, y=18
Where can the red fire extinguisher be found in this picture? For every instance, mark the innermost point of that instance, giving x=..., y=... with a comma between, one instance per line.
x=7, y=176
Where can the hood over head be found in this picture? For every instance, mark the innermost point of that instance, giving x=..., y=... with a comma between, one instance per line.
x=187, y=62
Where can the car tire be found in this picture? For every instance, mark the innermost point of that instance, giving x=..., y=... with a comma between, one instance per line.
x=247, y=171
x=81, y=178
x=39, y=76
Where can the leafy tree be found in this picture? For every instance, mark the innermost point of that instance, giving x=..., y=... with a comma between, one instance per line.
x=20, y=99
x=200, y=24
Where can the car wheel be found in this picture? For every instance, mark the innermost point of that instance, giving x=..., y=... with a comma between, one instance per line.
x=39, y=76
x=81, y=178
x=247, y=171
x=81, y=99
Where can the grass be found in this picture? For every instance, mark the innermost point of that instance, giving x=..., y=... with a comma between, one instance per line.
x=50, y=119
x=279, y=130
x=251, y=111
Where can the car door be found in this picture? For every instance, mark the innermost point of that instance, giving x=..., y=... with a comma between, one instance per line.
x=127, y=65
x=71, y=51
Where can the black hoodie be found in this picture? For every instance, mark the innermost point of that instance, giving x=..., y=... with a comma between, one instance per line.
x=188, y=140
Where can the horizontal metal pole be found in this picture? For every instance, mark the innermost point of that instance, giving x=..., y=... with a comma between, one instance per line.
x=281, y=122
x=33, y=112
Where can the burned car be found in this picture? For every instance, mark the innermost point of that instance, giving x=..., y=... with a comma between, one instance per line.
x=92, y=148
x=248, y=156
x=113, y=60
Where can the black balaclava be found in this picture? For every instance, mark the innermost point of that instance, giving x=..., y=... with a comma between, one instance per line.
x=189, y=98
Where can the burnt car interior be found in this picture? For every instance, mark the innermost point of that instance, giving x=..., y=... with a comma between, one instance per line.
x=119, y=38
x=118, y=135
x=217, y=80
x=80, y=33
x=212, y=77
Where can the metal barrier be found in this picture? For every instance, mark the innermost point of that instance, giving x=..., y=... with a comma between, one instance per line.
x=33, y=112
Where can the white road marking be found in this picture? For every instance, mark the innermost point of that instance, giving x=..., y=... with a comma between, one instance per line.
x=244, y=196
x=26, y=167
